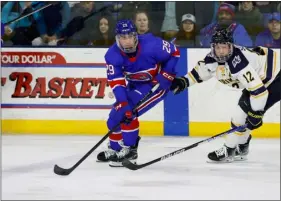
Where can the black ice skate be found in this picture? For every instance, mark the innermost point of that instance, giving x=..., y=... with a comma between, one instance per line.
x=127, y=152
x=242, y=150
x=105, y=155
x=224, y=154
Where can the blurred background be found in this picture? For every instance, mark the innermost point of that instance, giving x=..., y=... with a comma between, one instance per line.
x=191, y=23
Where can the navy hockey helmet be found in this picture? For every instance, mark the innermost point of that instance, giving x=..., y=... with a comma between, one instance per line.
x=126, y=28
x=222, y=36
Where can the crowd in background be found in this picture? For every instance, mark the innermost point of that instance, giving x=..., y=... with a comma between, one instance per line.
x=192, y=23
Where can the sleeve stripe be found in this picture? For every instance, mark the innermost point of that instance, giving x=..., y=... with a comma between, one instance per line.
x=116, y=83
x=115, y=79
x=258, y=91
x=191, y=76
x=273, y=72
x=176, y=53
x=256, y=87
x=269, y=67
x=196, y=75
x=260, y=95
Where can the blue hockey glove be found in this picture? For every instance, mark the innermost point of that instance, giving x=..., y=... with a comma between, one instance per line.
x=165, y=80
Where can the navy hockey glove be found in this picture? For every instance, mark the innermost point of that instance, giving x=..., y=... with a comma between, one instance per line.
x=164, y=79
x=179, y=84
x=124, y=109
x=254, y=119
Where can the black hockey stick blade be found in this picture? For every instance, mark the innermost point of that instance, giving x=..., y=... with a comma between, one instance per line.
x=126, y=163
x=61, y=171
x=64, y=172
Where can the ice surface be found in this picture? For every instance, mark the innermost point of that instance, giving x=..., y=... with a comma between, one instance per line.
x=28, y=161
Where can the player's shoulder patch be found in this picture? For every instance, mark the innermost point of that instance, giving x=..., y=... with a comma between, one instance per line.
x=237, y=61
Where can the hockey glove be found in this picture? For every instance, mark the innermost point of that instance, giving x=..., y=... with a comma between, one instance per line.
x=124, y=110
x=179, y=84
x=165, y=80
x=254, y=119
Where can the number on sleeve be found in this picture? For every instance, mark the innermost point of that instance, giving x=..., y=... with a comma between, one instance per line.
x=110, y=69
x=248, y=76
x=166, y=46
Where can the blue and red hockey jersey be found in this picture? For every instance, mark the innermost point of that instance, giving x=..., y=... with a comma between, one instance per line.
x=155, y=60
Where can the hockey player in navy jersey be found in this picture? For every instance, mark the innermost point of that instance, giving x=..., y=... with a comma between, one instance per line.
x=135, y=63
x=253, y=70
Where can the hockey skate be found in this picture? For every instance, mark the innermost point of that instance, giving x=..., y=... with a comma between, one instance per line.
x=127, y=152
x=222, y=155
x=242, y=150
x=105, y=155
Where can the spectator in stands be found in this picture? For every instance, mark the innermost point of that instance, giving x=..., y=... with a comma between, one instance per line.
x=271, y=36
x=203, y=11
x=267, y=6
x=187, y=36
x=105, y=36
x=86, y=33
x=142, y=22
x=169, y=27
x=130, y=8
x=117, y=6
x=225, y=20
x=23, y=31
x=250, y=17
x=52, y=21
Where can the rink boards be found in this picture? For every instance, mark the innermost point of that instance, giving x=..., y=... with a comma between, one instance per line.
x=65, y=91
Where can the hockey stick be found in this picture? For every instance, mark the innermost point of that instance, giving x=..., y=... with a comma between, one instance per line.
x=28, y=14
x=62, y=171
x=126, y=163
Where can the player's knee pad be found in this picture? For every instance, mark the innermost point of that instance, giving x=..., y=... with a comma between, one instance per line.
x=115, y=116
x=111, y=123
x=238, y=117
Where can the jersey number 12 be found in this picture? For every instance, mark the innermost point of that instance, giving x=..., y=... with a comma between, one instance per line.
x=248, y=76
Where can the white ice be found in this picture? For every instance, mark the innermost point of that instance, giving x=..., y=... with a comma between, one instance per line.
x=28, y=161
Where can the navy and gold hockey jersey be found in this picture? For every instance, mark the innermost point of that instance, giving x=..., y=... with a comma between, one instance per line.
x=253, y=70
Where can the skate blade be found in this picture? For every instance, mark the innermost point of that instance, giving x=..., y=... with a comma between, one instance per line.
x=119, y=164
x=240, y=158
x=98, y=161
x=222, y=161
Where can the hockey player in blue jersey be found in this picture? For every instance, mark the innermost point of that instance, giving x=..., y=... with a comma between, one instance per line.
x=135, y=63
